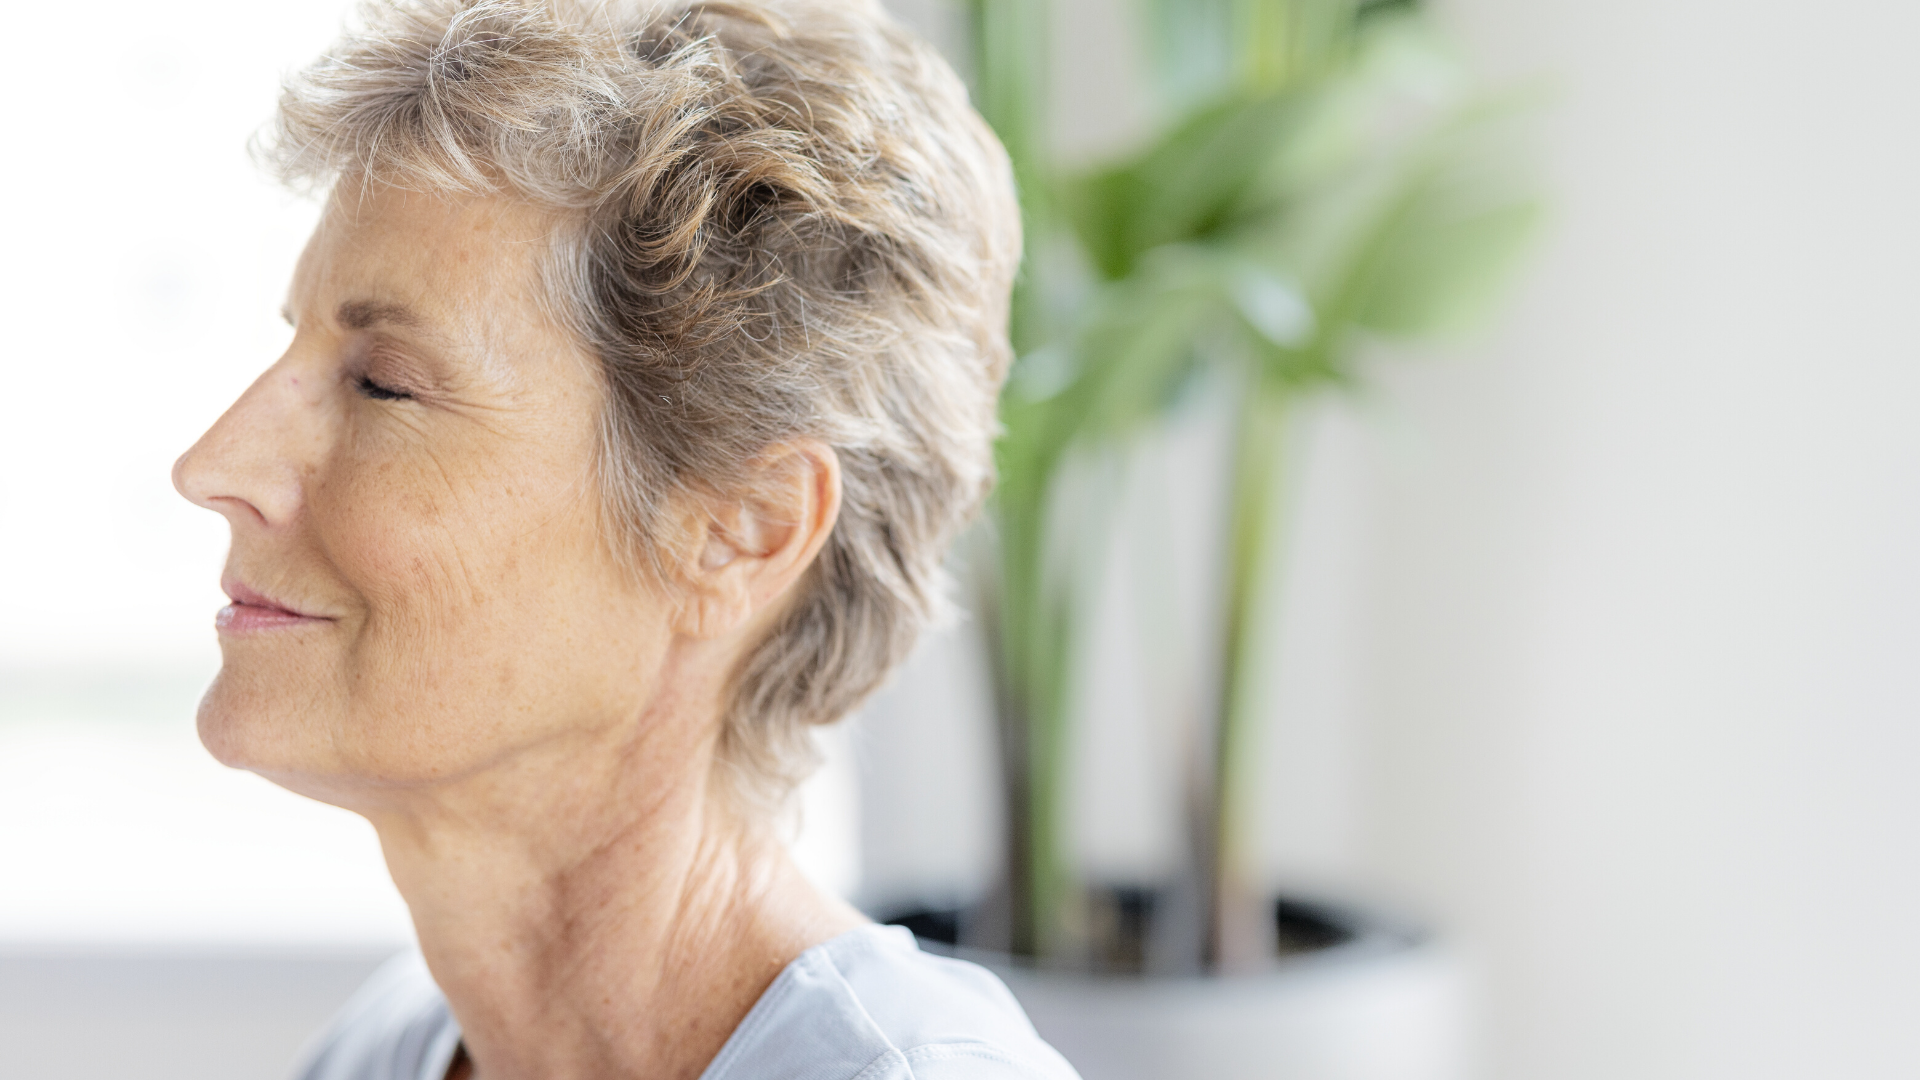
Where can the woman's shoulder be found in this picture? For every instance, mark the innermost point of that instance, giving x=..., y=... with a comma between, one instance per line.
x=870, y=1005
x=867, y=1005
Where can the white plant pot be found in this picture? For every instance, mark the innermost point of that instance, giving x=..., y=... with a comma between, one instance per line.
x=1385, y=1005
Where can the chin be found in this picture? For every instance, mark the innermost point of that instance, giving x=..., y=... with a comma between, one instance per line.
x=244, y=728
x=282, y=736
x=300, y=726
x=289, y=707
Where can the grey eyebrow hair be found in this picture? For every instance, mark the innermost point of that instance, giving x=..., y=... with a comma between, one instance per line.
x=365, y=314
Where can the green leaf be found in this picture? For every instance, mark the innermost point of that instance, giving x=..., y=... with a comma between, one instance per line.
x=1184, y=188
x=1443, y=270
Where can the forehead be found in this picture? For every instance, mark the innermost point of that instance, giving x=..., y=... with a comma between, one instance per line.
x=436, y=260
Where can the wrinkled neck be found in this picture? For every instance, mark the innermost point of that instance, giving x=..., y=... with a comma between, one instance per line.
x=602, y=913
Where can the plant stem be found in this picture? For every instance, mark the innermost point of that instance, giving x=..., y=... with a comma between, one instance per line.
x=1236, y=939
x=1010, y=42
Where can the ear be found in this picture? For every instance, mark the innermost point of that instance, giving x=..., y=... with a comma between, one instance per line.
x=751, y=545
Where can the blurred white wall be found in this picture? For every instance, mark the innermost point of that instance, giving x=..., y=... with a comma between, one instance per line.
x=1640, y=667
x=1602, y=641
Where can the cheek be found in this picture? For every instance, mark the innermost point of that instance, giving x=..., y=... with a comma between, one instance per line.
x=422, y=541
x=435, y=571
x=482, y=600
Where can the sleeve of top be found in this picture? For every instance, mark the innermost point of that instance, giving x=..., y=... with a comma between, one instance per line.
x=870, y=1006
x=395, y=1027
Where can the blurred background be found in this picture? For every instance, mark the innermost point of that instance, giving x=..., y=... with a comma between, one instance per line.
x=1597, y=652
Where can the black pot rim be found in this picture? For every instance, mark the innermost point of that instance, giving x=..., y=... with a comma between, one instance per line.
x=1325, y=931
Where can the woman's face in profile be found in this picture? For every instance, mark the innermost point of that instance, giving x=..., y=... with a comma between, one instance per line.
x=416, y=552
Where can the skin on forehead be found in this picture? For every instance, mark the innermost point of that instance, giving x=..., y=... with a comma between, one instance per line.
x=447, y=270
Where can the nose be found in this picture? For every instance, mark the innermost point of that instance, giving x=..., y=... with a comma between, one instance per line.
x=250, y=465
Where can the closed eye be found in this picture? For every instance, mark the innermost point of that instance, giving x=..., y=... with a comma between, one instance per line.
x=380, y=393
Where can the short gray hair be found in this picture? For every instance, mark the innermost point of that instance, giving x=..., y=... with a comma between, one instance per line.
x=790, y=224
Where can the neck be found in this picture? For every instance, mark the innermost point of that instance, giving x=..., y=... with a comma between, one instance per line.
x=595, y=917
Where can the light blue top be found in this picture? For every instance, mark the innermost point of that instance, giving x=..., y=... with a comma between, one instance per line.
x=868, y=1005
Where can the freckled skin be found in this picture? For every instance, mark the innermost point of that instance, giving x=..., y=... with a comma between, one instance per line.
x=529, y=725
x=418, y=524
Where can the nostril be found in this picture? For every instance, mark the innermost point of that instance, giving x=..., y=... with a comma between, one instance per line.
x=210, y=483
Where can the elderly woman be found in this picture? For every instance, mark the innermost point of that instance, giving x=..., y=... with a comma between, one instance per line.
x=644, y=364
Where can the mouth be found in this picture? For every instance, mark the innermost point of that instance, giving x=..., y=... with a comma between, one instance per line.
x=253, y=611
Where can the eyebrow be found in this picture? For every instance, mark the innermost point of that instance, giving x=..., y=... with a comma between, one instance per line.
x=365, y=314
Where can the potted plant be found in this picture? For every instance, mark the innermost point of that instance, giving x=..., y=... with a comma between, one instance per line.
x=1323, y=176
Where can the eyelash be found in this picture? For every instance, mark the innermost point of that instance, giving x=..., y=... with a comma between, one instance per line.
x=377, y=392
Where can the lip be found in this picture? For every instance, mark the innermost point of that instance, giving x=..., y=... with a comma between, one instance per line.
x=254, y=612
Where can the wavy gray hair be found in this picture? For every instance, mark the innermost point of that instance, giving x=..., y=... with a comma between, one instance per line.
x=786, y=222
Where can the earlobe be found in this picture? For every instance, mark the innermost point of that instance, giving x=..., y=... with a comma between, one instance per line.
x=712, y=613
